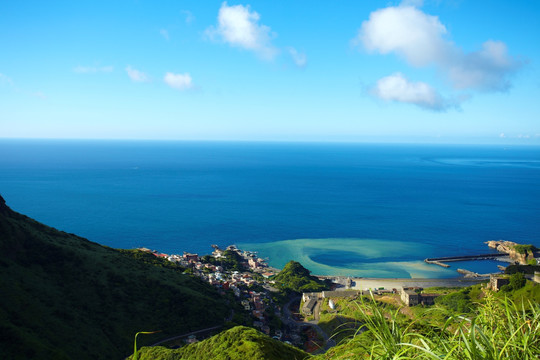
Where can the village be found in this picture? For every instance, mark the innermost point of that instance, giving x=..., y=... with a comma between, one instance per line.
x=249, y=278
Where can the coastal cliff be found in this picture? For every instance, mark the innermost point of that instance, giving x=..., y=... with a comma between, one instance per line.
x=517, y=252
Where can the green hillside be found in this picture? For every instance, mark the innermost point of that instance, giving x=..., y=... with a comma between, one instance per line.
x=64, y=297
x=237, y=343
x=297, y=278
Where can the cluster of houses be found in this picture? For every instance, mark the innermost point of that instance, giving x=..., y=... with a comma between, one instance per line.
x=239, y=282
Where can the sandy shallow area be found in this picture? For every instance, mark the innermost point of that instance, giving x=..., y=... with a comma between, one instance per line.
x=396, y=283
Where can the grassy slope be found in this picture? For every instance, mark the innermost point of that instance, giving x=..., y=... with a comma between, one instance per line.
x=503, y=329
x=297, y=278
x=66, y=297
x=341, y=323
x=237, y=343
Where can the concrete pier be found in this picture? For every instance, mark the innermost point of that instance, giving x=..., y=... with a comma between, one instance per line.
x=442, y=260
x=435, y=262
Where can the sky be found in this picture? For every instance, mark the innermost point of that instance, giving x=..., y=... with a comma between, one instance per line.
x=448, y=71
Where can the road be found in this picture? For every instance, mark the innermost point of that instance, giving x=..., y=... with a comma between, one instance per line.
x=187, y=334
x=289, y=320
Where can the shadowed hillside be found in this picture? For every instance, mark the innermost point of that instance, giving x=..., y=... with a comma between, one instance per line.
x=65, y=297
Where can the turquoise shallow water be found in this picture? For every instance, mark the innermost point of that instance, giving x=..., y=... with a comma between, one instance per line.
x=384, y=207
x=364, y=258
x=352, y=257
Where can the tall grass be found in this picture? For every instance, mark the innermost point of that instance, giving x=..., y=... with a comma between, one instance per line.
x=135, y=353
x=499, y=329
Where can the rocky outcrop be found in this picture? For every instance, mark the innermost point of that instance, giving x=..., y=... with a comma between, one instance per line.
x=509, y=247
x=471, y=274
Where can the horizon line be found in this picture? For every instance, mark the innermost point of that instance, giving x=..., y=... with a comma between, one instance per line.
x=427, y=140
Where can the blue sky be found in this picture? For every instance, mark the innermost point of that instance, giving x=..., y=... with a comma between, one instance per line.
x=427, y=71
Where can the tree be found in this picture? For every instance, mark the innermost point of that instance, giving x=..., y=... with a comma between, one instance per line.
x=517, y=281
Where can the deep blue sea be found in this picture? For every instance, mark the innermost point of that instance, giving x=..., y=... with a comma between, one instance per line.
x=348, y=209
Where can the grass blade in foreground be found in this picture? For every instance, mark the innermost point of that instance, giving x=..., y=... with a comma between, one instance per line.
x=135, y=355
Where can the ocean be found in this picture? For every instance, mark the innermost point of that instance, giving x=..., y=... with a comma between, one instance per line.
x=374, y=210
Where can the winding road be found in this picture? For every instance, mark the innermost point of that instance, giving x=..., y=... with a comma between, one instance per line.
x=187, y=334
x=288, y=319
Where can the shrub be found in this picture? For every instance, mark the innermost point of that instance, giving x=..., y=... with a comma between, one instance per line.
x=524, y=249
x=526, y=269
x=517, y=281
x=458, y=301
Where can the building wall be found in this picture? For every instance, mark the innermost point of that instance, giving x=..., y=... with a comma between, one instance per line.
x=428, y=299
x=495, y=282
x=308, y=307
x=409, y=297
x=334, y=294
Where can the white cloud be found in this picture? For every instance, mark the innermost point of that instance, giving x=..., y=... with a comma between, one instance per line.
x=164, y=33
x=178, y=81
x=397, y=88
x=419, y=38
x=240, y=27
x=92, y=69
x=4, y=79
x=136, y=75
x=300, y=59
x=486, y=69
x=406, y=31
x=189, y=16
x=40, y=95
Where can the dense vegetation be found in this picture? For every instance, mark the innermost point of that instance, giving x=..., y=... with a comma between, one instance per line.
x=524, y=249
x=459, y=301
x=496, y=329
x=526, y=269
x=295, y=277
x=64, y=297
x=230, y=261
x=523, y=296
x=237, y=343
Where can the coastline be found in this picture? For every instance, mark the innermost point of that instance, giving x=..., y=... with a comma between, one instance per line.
x=366, y=283
x=398, y=283
x=367, y=258
x=254, y=264
x=461, y=278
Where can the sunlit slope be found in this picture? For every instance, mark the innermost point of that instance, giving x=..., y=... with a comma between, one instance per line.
x=237, y=343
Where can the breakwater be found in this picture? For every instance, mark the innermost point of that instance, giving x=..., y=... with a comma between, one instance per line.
x=442, y=260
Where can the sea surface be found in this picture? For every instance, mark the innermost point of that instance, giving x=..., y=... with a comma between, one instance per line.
x=373, y=210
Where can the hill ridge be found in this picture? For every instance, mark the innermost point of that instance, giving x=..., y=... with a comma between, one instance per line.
x=66, y=297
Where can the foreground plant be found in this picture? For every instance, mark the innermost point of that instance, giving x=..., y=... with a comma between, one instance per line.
x=499, y=329
x=135, y=355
